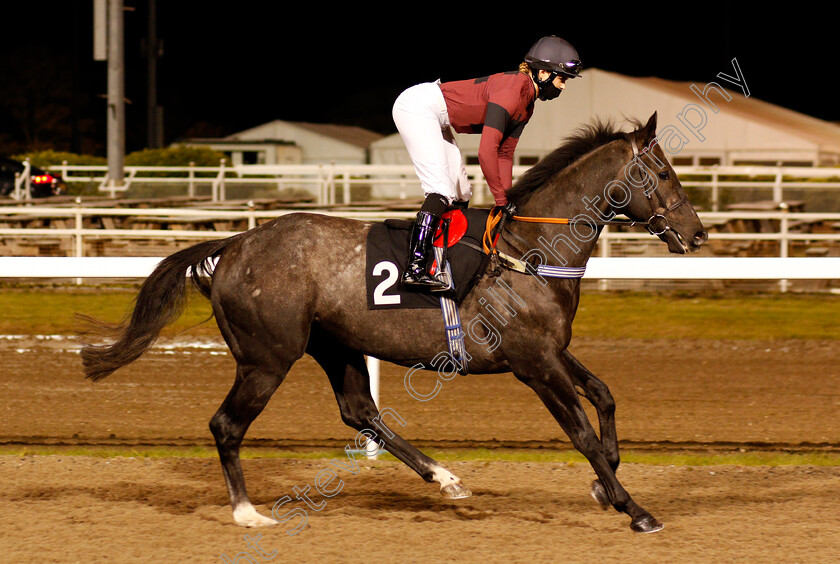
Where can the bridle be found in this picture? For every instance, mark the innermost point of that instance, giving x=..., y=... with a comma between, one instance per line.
x=657, y=224
x=659, y=210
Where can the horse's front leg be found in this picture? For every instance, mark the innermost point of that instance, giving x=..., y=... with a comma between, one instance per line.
x=553, y=382
x=598, y=394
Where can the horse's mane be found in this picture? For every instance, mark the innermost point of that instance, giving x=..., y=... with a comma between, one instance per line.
x=583, y=140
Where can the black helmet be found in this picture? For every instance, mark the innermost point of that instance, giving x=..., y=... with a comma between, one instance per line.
x=554, y=55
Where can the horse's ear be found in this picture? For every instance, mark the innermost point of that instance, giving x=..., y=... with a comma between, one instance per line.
x=648, y=132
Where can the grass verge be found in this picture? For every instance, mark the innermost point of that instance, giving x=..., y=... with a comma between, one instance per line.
x=55, y=310
x=52, y=310
x=570, y=457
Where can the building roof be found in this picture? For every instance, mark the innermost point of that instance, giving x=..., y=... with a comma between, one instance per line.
x=349, y=134
x=824, y=134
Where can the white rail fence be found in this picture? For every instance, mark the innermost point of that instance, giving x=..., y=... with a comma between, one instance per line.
x=614, y=268
x=333, y=183
x=74, y=223
x=70, y=223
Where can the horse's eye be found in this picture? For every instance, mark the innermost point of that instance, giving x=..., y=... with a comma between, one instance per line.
x=664, y=175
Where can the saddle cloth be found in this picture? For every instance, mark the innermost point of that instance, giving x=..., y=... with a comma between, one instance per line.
x=387, y=253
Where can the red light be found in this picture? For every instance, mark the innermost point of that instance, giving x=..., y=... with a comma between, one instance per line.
x=42, y=179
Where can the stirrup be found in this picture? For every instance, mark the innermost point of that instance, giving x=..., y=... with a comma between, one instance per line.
x=444, y=274
x=424, y=281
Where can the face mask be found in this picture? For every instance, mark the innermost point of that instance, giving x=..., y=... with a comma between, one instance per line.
x=547, y=89
x=549, y=92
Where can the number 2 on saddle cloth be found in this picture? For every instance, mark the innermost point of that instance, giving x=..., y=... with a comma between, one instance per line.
x=388, y=241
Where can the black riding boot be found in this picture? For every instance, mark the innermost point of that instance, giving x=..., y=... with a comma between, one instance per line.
x=420, y=250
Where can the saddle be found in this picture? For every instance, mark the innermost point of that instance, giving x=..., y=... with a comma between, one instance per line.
x=460, y=260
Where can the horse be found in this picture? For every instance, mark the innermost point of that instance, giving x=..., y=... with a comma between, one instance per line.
x=295, y=286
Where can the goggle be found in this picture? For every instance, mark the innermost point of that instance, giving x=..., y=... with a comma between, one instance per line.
x=571, y=68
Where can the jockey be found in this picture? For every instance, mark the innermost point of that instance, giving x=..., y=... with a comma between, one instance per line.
x=498, y=107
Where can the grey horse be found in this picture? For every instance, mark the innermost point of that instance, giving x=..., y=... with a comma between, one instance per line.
x=296, y=285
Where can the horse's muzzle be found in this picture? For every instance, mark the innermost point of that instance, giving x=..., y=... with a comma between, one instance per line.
x=700, y=238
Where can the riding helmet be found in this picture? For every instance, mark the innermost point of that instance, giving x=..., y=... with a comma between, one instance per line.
x=555, y=55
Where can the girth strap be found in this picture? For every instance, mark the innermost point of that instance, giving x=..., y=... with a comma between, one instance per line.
x=544, y=270
x=451, y=316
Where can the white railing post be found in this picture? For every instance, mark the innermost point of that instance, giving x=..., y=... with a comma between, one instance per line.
x=252, y=218
x=715, y=191
x=604, y=240
x=23, y=183
x=784, y=251
x=219, y=183
x=319, y=186
x=331, y=182
x=78, y=240
x=27, y=180
x=191, y=180
x=778, y=191
x=345, y=184
x=222, y=174
x=372, y=447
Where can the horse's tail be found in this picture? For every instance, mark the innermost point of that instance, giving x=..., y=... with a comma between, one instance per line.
x=161, y=300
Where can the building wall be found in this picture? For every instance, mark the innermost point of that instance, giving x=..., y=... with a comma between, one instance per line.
x=316, y=149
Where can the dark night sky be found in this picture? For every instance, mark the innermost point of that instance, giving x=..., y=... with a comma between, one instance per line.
x=236, y=65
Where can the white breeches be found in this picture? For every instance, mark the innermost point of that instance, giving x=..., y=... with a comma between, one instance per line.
x=423, y=122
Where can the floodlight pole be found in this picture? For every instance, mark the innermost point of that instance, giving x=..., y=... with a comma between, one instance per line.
x=154, y=118
x=116, y=96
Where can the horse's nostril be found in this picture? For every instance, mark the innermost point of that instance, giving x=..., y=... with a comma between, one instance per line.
x=701, y=238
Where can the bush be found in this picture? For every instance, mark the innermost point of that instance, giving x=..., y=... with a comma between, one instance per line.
x=175, y=156
x=170, y=156
x=48, y=158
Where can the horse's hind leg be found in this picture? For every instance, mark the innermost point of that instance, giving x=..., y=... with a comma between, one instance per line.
x=250, y=393
x=555, y=387
x=350, y=381
x=600, y=397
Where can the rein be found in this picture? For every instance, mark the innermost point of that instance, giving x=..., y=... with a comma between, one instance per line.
x=567, y=221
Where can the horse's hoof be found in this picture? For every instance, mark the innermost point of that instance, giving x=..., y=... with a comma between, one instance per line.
x=455, y=491
x=599, y=494
x=247, y=516
x=647, y=524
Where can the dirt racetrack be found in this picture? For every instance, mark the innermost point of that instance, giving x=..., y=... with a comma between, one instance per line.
x=706, y=396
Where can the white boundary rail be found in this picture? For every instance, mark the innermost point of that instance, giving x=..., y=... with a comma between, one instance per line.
x=331, y=183
x=615, y=268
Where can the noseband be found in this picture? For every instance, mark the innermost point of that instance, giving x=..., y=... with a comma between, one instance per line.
x=658, y=209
